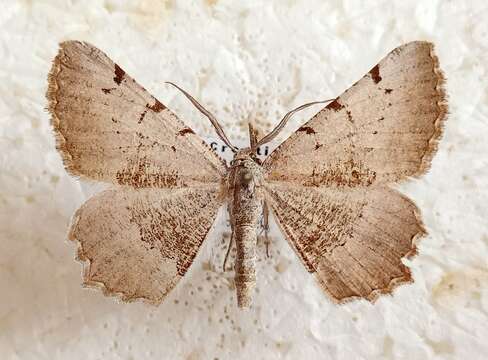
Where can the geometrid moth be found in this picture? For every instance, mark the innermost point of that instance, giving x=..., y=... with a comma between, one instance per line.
x=329, y=185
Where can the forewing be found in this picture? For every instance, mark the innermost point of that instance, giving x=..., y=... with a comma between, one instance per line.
x=139, y=242
x=353, y=241
x=109, y=128
x=381, y=130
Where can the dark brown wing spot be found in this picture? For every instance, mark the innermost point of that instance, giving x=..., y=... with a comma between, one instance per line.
x=307, y=129
x=157, y=107
x=335, y=105
x=107, y=91
x=318, y=146
x=375, y=74
x=173, y=148
x=349, y=116
x=141, y=117
x=185, y=131
x=387, y=91
x=119, y=74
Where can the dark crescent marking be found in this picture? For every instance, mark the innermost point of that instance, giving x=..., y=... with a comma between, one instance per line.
x=308, y=129
x=375, y=74
x=335, y=105
x=107, y=91
x=157, y=107
x=186, y=131
x=119, y=74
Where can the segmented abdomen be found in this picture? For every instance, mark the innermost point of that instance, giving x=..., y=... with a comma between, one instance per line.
x=245, y=270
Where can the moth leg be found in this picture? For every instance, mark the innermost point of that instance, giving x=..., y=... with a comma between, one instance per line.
x=231, y=241
x=266, y=226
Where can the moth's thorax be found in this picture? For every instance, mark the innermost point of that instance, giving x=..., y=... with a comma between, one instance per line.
x=246, y=170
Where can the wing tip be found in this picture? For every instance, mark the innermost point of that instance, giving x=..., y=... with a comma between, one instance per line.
x=78, y=44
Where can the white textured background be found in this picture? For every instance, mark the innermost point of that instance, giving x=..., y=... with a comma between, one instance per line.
x=244, y=60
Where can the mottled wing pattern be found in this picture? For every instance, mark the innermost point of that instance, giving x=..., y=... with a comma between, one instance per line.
x=109, y=128
x=328, y=183
x=383, y=129
x=139, y=242
x=352, y=240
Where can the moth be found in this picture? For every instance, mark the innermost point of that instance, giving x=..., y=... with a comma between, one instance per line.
x=330, y=185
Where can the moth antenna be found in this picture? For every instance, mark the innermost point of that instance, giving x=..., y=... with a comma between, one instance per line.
x=209, y=115
x=285, y=119
x=253, y=136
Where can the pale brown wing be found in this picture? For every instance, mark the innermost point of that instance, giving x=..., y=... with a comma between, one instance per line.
x=381, y=130
x=328, y=183
x=139, y=242
x=109, y=128
x=354, y=240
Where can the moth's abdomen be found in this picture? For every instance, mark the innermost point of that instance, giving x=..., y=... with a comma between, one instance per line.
x=246, y=210
x=245, y=270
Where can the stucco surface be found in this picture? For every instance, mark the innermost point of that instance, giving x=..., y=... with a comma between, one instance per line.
x=244, y=60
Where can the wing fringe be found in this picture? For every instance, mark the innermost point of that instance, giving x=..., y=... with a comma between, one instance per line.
x=439, y=123
x=51, y=95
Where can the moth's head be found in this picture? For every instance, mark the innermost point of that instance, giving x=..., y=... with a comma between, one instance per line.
x=248, y=153
x=241, y=156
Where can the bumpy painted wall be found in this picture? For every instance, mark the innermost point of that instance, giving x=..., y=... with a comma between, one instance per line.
x=244, y=60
